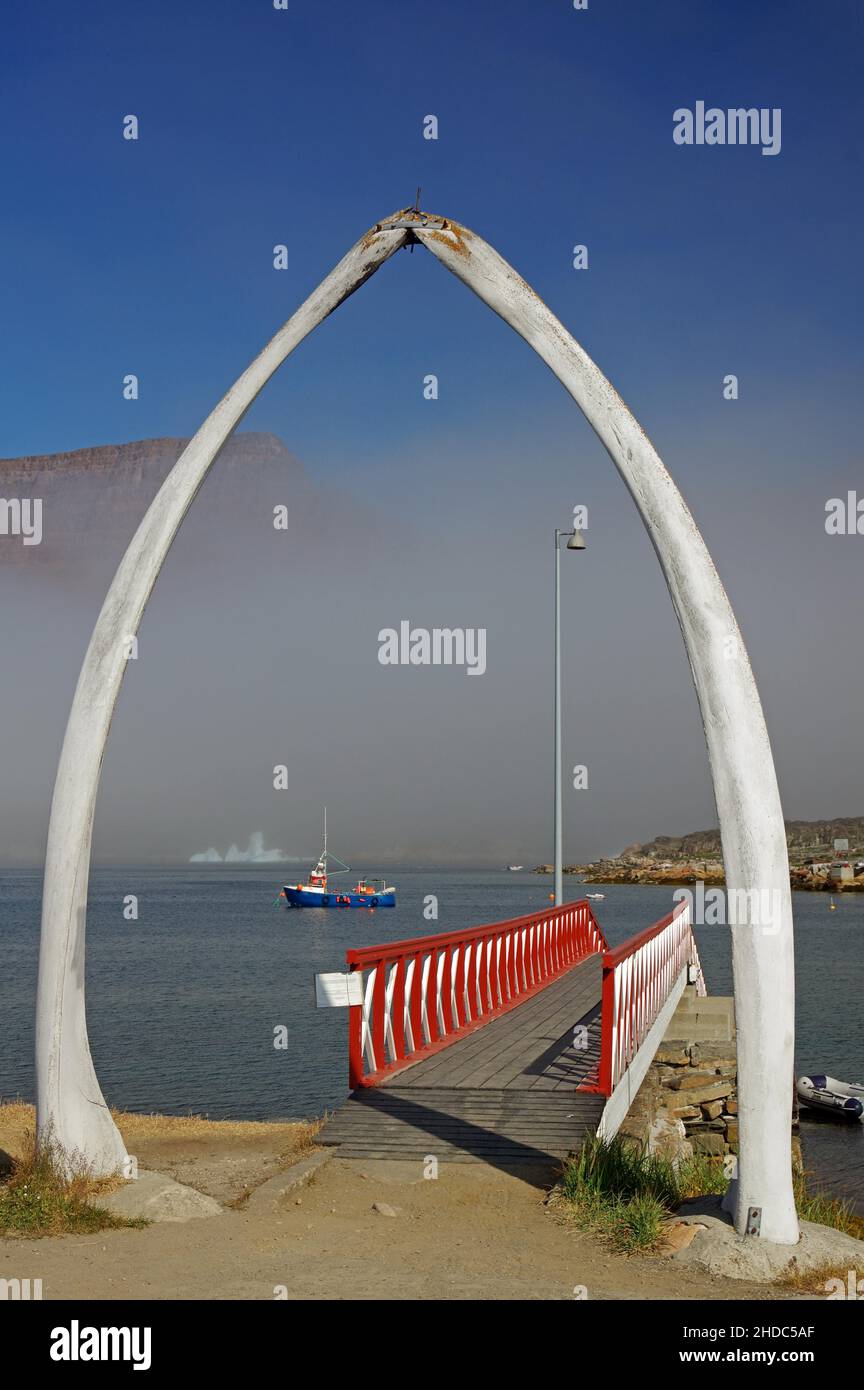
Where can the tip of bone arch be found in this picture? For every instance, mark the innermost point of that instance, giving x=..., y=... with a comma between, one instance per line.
x=448, y=232
x=420, y=217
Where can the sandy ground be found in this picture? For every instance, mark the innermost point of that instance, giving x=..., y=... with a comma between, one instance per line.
x=224, y=1158
x=471, y=1233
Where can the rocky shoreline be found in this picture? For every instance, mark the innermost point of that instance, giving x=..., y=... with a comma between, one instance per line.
x=681, y=860
x=685, y=873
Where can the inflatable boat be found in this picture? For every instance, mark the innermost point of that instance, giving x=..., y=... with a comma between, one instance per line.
x=843, y=1099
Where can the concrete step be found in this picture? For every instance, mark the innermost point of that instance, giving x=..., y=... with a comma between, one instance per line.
x=701, y=1029
x=708, y=1004
x=710, y=1018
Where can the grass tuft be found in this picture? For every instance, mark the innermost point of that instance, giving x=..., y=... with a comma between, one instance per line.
x=620, y=1193
x=815, y=1204
x=42, y=1197
x=627, y=1196
x=621, y=1169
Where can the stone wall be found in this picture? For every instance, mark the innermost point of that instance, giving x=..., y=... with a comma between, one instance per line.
x=698, y=1086
x=688, y=1102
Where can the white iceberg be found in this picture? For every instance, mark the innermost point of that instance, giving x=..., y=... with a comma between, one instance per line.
x=255, y=853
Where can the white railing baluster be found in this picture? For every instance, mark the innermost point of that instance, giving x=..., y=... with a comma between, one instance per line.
x=424, y=998
x=407, y=1027
x=390, y=983
x=368, y=1049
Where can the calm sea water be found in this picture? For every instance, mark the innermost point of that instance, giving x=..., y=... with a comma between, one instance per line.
x=183, y=1002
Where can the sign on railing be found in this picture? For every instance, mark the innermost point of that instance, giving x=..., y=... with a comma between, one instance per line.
x=420, y=995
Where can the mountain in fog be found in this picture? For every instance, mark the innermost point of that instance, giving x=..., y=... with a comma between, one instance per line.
x=93, y=499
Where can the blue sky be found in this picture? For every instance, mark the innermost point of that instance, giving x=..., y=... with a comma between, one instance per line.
x=304, y=127
x=261, y=126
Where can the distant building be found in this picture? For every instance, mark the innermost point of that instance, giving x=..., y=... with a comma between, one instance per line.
x=841, y=871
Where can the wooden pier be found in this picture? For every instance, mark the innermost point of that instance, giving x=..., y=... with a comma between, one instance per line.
x=505, y=1094
x=508, y=1043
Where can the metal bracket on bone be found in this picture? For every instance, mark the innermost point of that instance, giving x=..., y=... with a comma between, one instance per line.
x=439, y=224
x=413, y=224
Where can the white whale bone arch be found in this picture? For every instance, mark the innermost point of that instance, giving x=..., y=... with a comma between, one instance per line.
x=71, y=1109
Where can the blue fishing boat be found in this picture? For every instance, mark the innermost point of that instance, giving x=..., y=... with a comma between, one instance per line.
x=319, y=891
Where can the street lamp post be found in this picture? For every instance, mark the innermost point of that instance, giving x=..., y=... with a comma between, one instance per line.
x=574, y=542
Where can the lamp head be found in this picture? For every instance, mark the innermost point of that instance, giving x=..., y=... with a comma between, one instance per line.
x=576, y=541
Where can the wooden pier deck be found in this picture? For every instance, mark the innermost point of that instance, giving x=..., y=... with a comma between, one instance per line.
x=505, y=1094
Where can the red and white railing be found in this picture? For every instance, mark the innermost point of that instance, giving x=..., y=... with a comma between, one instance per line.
x=642, y=982
x=421, y=995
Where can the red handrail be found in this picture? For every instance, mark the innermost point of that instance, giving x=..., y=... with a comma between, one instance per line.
x=421, y=995
x=638, y=978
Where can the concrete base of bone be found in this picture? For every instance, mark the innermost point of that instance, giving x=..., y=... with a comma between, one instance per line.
x=159, y=1198
x=719, y=1250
